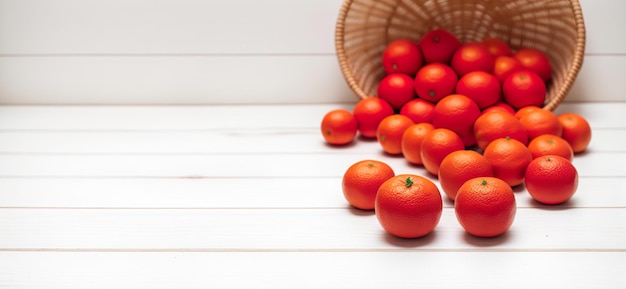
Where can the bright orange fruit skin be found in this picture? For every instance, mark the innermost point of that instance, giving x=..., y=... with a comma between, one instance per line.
x=551, y=179
x=361, y=181
x=485, y=206
x=408, y=206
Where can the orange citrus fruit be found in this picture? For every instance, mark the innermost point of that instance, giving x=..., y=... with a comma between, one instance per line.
x=549, y=144
x=498, y=124
x=470, y=57
x=438, y=45
x=524, y=88
x=402, y=56
x=459, y=167
x=480, y=86
x=500, y=106
x=576, y=131
x=504, y=66
x=397, y=89
x=435, y=81
x=338, y=127
x=411, y=142
x=361, y=181
x=535, y=61
x=457, y=113
x=418, y=110
x=390, y=131
x=408, y=206
x=485, y=206
x=508, y=158
x=436, y=145
x=540, y=121
x=551, y=179
x=369, y=112
x=497, y=47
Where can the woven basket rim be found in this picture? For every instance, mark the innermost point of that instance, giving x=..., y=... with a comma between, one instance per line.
x=557, y=98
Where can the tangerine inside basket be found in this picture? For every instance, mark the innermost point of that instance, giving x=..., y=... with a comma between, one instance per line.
x=365, y=27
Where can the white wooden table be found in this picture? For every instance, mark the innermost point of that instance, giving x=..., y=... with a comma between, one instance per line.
x=250, y=197
x=176, y=144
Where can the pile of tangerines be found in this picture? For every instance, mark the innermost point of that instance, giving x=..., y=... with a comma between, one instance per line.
x=471, y=114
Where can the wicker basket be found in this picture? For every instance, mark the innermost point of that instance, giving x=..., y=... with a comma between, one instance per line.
x=365, y=27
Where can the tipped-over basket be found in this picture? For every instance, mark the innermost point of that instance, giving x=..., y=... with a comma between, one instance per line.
x=365, y=27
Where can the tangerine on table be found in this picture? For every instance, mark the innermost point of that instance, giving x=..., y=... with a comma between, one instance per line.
x=459, y=167
x=457, y=113
x=524, y=88
x=480, y=86
x=435, y=81
x=369, y=112
x=535, y=61
x=361, y=181
x=408, y=206
x=397, y=89
x=540, y=121
x=390, y=131
x=551, y=179
x=438, y=45
x=549, y=144
x=470, y=57
x=402, y=56
x=339, y=127
x=418, y=110
x=485, y=206
x=411, y=142
x=493, y=125
x=508, y=158
x=576, y=131
x=436, y=145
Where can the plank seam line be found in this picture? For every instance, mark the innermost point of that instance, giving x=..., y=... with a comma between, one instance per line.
x=261, y=250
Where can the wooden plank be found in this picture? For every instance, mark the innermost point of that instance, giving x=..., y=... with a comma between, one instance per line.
x=167, y=27
x=545, y=228
x=304, y=140
x=223, y=193
x=220, y=80
x=279, y=165
x=172, y=80
x=225, y=118
x=41, y=270
x=198, y=27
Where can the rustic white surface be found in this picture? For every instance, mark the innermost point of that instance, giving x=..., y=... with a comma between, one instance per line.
x=218, y=177
x=197, y=197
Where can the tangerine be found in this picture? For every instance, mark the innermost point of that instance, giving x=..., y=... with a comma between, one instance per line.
x=438, y=45
x=485, y=206
x=535, y=61
x=408, y=206
x=493, y=125
x=459, y=167
x=549, y=144
x=576, y=131
x=397, y=89
x=551, y=179
x=339, y=127
x=540, y=121
x=361, y=181
x=369, y=112
x=508, y=158
x=402, y=56
x=481, y=87
x=524, y=88
x=418, y=110
x=435, y=81
x=390, y=131
x=436, y=145
x=470, y=57
x=411, y=142
x=458, y=113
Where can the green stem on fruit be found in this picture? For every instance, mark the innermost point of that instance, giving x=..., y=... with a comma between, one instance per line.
x=408, y=183
x=484, y=183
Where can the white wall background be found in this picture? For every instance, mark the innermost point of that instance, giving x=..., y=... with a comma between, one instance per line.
x=215, y=51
